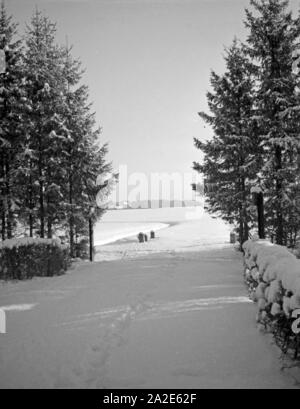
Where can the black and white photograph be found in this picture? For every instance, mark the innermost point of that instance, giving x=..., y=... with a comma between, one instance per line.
x=149, y=197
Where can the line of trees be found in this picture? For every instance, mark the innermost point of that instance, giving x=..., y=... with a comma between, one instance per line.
x=50, y=155
x=255, y=115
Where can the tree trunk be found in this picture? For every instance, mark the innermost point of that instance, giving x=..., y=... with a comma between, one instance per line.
x=3, y=228
x=246, y=231
x=71, y=219
x=42, y=211
x=49, y=212
x=244, y=212
x=91, y=234
x=260, y=216
x=9, y=203
x=3, y=200
x=4, y=192
x=241, y=229
x=30, y=206
x=279, y=215
x=41, y=194
x=30, y=225
x=49, y=228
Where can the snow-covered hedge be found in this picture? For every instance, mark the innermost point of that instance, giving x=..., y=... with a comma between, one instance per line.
x=27, y=257
x=272, y=273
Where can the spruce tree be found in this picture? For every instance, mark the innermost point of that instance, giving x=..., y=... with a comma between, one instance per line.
x=273, y=39
x=11, y=133
x=231, y=157
x=85, y=159
x=50, y=151
x=46, y=133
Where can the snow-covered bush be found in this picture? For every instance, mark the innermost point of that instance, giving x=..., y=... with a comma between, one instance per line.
x=272, y=274
x=27, y=257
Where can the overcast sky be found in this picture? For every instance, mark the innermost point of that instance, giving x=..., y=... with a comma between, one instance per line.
x=147, y=65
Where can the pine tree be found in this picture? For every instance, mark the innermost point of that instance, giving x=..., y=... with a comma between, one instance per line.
x=273, y=38
x=231, y=157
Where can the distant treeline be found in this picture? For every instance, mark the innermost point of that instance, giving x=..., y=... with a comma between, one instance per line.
x=154, y=204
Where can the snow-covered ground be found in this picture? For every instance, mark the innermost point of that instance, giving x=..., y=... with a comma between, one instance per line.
x=180, y=229
x=119, y=224
x=176, y=316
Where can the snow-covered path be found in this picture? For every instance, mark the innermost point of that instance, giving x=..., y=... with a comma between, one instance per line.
x=169, y=320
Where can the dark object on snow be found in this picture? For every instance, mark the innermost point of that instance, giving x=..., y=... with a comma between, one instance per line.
x=141, y=237
x=152, y=234
x=232, y=238
x=145, y=237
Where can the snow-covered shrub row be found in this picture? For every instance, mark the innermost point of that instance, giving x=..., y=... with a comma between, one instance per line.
x=26, y=241
x=272, y=273
x=27, y=257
